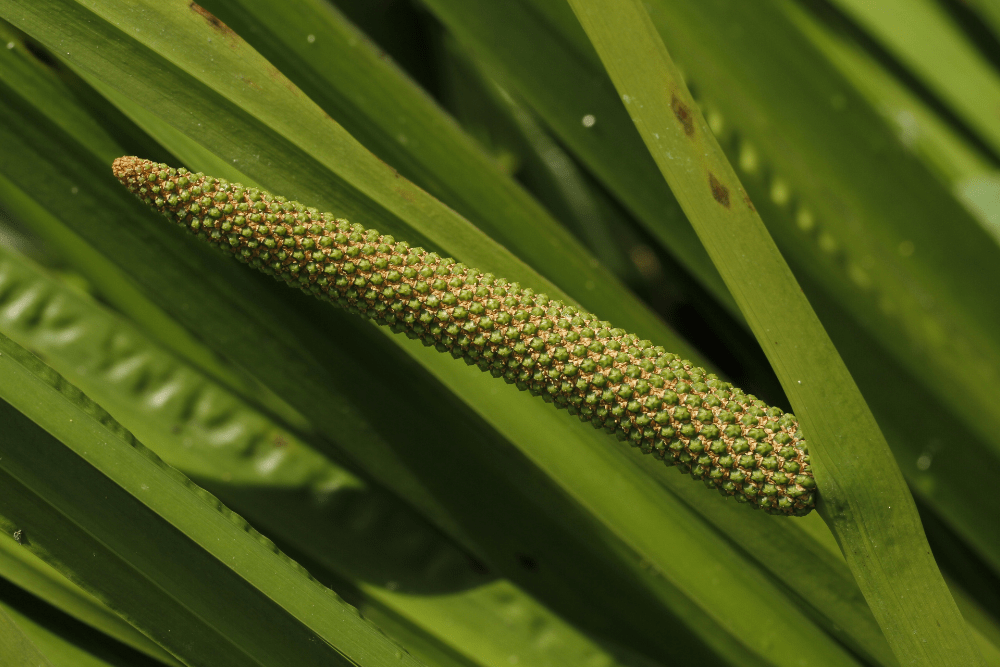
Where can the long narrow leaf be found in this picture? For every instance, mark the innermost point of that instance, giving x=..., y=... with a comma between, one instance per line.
x=861, y=228
x=241, y=324
x=863, y=490
x=858, y=218
x=557, y=445
x=638, y=549
x=35, y=576
x=64, y=641
x=401, y=565
x=924, y=37
x=16, y=649
x=961, y=165
x=83, y=486
x=347, y=76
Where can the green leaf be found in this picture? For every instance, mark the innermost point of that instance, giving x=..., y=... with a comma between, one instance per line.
x=15, y=648
x=561, y=86
x=638, y=553
x=44, y=89
x=990, y=12
x=855, y=215
x=20, y=567
x=278, y=482
x=490, y=112
x=431, y=432
x=346, y=75
x=911, y=325
x=862, y=490
x=958, y=163
x=65, y=641
x=925, y=39
x=82, y=489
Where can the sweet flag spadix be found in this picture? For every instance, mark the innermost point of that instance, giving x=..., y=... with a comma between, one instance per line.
x=637, y=391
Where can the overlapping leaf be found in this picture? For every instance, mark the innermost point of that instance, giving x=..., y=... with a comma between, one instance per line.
x=451, y=458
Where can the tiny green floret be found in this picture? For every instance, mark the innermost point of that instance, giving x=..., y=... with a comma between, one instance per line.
x=639, y=392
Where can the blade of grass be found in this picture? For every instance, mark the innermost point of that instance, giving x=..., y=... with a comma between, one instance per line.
x=865, y=499
x=985, y=628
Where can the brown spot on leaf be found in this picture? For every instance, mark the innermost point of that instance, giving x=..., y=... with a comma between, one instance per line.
x=683, y=114
x=215, y=23
x=719, y=191
x=746, y=200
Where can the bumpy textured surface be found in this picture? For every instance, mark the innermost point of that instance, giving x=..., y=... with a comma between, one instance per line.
x=629, y=387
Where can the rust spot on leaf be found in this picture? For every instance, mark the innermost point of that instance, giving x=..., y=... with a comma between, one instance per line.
x=719, y=191
x=746, y=200
x=215, y=23
x=683, y=114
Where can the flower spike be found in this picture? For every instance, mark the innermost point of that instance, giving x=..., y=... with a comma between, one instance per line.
x=639, y=392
